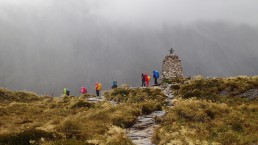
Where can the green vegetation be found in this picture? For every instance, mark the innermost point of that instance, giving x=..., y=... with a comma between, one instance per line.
x=211, y=111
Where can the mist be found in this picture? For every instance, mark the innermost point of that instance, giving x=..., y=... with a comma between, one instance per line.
x=46, y=45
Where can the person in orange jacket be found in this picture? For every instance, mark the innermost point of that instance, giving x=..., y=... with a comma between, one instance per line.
x=98, y=87
x=147, y=79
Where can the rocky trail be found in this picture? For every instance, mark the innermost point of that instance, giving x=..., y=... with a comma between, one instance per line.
x=142, y=131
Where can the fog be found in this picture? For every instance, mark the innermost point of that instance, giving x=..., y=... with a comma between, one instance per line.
x=46, y=45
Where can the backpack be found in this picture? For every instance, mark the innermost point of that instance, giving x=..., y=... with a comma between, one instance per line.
x=156, y=74
x=99, y=86
x=67, y=92
x=148, y=78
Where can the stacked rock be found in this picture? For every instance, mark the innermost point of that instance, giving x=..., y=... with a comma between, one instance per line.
x=172, y=67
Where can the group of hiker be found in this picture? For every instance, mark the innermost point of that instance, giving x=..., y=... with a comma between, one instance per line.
x=98, y=86
x=146, y=79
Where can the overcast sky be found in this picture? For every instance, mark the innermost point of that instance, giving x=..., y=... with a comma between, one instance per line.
x=46, y=45
x=150, y=12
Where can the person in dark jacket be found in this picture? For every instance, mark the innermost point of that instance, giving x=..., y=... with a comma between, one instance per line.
x=143, y=80
x=68, y=92
x=114, y=84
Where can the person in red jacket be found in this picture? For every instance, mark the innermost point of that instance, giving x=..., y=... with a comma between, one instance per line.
x=83, y=90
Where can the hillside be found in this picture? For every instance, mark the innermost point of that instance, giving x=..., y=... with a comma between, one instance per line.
x=212, y=111
x=71, y=120
x=204, y=111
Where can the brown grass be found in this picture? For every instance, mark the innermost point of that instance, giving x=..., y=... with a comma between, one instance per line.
x=217, y=89
x=70, y=120
x=204, y=115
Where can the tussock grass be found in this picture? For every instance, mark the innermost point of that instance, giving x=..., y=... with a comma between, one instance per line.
x=26, y=137
x=146, y=100
x=194, y=120
x=206, y=111
x=18, y=96
x=67, y=120
x=135, y=95
x=211, y=111
x=218, y=89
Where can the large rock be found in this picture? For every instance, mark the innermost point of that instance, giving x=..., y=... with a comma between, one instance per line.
x=172, y=67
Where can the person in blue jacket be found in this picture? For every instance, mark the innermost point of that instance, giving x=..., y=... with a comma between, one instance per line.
x=114, y=84
x=155, y=77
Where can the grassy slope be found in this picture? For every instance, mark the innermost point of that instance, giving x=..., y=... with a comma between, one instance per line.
x=206, y=111
x=211, y=111
x=27, y=118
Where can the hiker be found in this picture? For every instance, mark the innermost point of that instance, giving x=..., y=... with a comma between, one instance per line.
x=65, y=91
x=147, y=79
x=114, y=84
x=83, y=90
x=155, y=76
x=98, y=87
x=143, y=80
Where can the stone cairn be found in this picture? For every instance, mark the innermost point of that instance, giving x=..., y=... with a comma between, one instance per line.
x=172, y=67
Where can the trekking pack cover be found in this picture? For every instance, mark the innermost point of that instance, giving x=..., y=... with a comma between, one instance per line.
x=148, y=78
x=156, y=74
x=99, y=86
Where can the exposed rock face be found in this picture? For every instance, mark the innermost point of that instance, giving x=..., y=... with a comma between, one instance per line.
x=172, y=67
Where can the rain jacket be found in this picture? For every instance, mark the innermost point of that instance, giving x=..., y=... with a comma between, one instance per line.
x=98, y=86
x=65, y=91
x=83, y=90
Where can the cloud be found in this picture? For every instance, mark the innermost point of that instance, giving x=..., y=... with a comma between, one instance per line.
x=182, y=11
x=46, y=45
